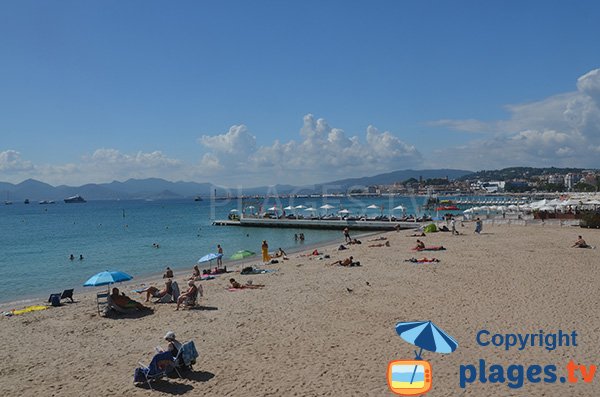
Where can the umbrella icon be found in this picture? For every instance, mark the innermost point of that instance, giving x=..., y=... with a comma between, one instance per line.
x=209, y=257
x=242, y=254
x=106, y=278
x=426, y=335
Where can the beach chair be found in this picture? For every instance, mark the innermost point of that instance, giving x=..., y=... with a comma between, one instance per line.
x=102, y=302
x=67, y=294
x=192, y=301
x=113, y=306
x=161, y=364
x=186, y=357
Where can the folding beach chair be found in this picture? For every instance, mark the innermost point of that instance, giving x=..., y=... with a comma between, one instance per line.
x=192, y=301
x=161, y=364
x=102, y=302
x=67, y=294
x=186, y=357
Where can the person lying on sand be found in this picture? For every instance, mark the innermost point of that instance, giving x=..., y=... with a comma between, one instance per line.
x=236, y=285
x=422, y=260
x=420, y=234
x=354, y=241
x=379, y=239
x=420, y=245
x=125, y=302
x=386, y=244
x=156, y=293
x=580, y=243
x=348, y=262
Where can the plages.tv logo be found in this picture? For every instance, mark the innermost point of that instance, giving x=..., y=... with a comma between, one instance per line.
x=414, y=377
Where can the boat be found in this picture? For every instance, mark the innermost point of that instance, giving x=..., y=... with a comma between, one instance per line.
x=46, y=202
x=74, y=199
x=197, y=198
x=26, y=201
x=447, y=208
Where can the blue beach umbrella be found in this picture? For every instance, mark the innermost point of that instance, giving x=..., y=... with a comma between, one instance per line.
x=426, y=335
x=209, y=257
x=106, y=278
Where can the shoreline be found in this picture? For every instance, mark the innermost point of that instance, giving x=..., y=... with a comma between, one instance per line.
x=155, y=278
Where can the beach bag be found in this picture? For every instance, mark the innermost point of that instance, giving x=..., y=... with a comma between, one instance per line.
x=139, y=375
x=55, y=300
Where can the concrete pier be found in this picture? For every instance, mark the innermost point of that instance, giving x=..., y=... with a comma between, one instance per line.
x=319, y=224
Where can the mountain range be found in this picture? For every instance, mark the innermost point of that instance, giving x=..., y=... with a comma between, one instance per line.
x=156, y=188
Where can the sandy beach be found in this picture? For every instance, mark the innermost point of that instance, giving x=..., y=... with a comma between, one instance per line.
x=317, y=330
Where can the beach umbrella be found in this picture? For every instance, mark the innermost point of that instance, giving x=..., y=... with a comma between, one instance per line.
x=209, y=257
x=242, y=254
x=299, y=207
x=288, y=208
x=233, y=210
x=343, y=212
x=400, y=208
x=426, y=335
x=373, y=207
x=272, y=209
x=310, y=209
x=106, y=278
x=250, y=207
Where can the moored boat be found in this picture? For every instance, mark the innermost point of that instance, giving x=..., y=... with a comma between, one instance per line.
x=74, y=199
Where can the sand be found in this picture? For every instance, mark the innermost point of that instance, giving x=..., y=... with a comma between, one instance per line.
x=316, y=330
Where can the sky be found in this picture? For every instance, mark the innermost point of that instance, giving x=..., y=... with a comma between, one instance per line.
x=248, y=93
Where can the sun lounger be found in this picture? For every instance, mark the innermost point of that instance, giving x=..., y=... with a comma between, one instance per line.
x=119, y=309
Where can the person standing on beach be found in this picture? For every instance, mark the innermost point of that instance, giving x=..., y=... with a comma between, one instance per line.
x=478, y=226
x=220, y=257
x=265, y=251
x=347, y=234
x=453, y=226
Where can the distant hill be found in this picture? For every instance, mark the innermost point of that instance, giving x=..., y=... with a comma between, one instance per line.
x=156, y=188
x=400, y=176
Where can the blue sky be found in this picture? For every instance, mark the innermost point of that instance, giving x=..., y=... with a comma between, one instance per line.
x=240, y=92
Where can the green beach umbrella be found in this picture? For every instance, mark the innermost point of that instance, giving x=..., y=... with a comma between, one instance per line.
x=242, y=254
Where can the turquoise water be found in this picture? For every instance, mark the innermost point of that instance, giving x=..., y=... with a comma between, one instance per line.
x=37, y=240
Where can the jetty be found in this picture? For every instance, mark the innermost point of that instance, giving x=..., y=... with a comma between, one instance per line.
x=336, y=224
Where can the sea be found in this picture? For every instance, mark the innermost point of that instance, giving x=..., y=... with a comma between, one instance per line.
x=37, y=240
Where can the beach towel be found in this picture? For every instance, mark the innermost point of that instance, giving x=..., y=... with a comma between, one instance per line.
x=29, y=309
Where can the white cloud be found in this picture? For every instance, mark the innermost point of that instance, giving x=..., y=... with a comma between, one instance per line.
x=562, y=130
x=11, y=162
x=322, y=153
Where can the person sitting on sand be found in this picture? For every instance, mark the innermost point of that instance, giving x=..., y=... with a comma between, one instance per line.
x=156, y=293
x=174, y=345
x=386, y=244
x=236, y=285
x=354, y=241
x=125, y=302
x=195, y=273
x=191, y=293
x=580, y=243
x=346, y=262
x=168, y=273
x=420, y=245
x=280, y=253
